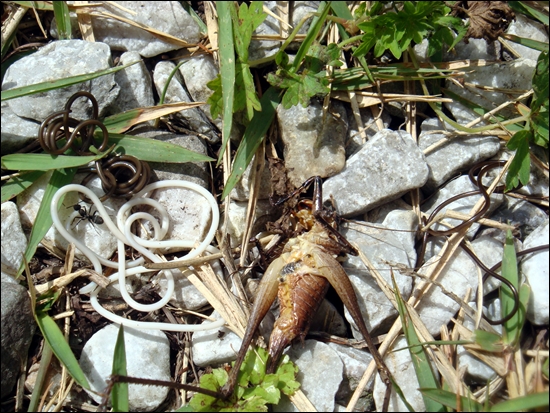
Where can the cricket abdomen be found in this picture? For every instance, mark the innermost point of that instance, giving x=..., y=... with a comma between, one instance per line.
x=300, y=295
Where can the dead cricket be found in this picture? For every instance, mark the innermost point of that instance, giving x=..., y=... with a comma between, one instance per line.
x=300, y=278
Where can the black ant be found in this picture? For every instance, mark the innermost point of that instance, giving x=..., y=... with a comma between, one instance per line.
x=88, y=216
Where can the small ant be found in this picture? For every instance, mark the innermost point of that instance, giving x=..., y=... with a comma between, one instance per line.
x=85, y=215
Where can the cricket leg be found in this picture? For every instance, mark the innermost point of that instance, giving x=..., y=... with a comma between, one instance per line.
x=331, y=269
x=267, y=292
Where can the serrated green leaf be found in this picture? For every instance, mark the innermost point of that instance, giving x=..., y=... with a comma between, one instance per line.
x=521, y=164
x=540, y=82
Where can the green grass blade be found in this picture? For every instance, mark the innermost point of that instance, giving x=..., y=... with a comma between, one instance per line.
x=14, y=186
x=60, y=347
x=44, y=161
x=450, y=399
x=419, y=358
x=511, y=328
x=58, y=84
x=523, y=7
x=119, y=395
x=202, y=27
x=312, y=33
x=43, y=221
x=253, y=135
x=152, y=150
x=123, y=121
x=40, y=377
x=531, y=43
x=62, y=19
x=227, y=69
x=537, y=401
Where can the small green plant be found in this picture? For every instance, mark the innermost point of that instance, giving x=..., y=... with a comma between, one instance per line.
x=312, y=79
x=535, y=131
x=415, y=21
x=254, y=390
x=244, y=22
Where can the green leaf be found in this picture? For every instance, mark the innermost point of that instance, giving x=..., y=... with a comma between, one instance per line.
x=153, y=150
x=540, y=82
x=537, y=402
x=216, y=99
x=246, y=97
x=512, y=327
x=59, y=83
x=60, y=347
x=252, y=138
x=14, y=186
x=43, y=220
x=44, y=161
x=227, y=71
x=419, y=359
x=119, y=394
x=287, y=371
x=452, y=400
x=524, y=8
x=62, y=19
x=521, y=164
x=488, y=341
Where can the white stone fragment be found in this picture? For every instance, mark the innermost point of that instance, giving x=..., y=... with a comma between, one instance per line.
x=14, y=242
x=147, y=356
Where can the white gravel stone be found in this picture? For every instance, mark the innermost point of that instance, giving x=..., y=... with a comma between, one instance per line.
x=147, y=356
x=320, y=375
x=387, y=166
x=381, y=247
x=59, y=60
x=313, y=140
x=463, y=205
x=215, y=347
x=529, y=29
x=14, y=242
x=400, y=365
x=535, y=268
x=456, y=154
x=195, y=119
x=16, y=132
x=164, y=16
x=436, y=308
x=136, y=86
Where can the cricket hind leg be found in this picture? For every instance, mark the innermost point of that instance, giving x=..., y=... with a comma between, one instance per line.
x=267, y=293
x=331, y=269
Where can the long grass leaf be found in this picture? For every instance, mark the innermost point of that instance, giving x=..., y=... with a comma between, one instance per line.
x=119, y=395
x=531, y=43
x=512, y=327
x=44, y=161
x=253, y=136
x=451, y=400
x=43, y=220
x=60, y=347
x=17, y=184
x=121, y=122
x=312, y=33
x=40, y=377
x=525, y=8
x=62, y=19
x=152, y=150
x=537, y=401
x=420, y=361
x=227, y=69
x=58, y=84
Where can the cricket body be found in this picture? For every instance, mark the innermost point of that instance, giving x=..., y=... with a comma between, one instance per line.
x=300, y=278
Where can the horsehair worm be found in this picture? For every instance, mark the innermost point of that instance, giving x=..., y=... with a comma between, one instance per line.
x=122, y=231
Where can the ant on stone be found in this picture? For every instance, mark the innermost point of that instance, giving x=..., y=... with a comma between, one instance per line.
x=87, y=215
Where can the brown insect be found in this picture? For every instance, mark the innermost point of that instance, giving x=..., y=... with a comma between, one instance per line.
x=300, y=278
